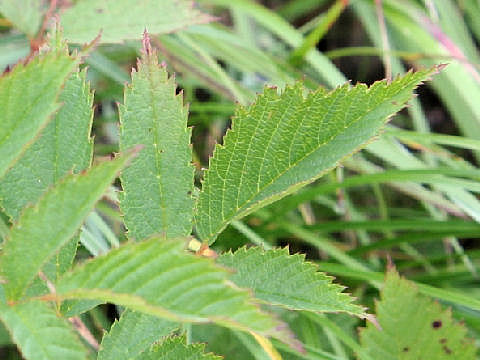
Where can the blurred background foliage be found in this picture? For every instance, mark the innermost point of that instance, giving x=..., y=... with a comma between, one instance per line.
x=410, y=198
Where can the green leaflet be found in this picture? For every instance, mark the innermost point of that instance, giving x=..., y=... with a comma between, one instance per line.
x=44, y=228
x=28, y=98
x=283, y=142
x=158, y=186
x=26, y=15
x=267, y=272
x=63, y=145
x=413, y=327
x=161, y=279
x=133, y=334
x=174, y=348
x=40, y=334
x=118, y=20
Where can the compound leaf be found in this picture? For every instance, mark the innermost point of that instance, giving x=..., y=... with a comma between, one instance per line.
x=160, y=278
x=413, y=327
x=28, y=97
x=132, y=334
x=44, y=228
x=40, y=334
x=283, y=142
x=118, y=20
x=267, y=272
x=158, y=185
x=175, y=347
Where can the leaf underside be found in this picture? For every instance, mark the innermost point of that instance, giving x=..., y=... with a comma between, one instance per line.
x=283, y=142
x=44, y=228
x=160, y=278
x=267, y=272
x=40, y=334
x=158, y=186
x=118, y=20
x=413, y=327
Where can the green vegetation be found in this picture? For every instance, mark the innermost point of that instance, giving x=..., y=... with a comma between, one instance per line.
x=208, y=223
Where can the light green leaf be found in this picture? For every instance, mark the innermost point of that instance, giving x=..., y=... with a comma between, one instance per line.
x=159, y=278
x=127, y=19
x=28, y=98
x=158, y=186
x=44, y=228
x=283, y=142
x=409, y=333
x=63, y=145
x=26, y=15
x=174, y=348
x=133, y=334
x=40, y=334
x=267, y=272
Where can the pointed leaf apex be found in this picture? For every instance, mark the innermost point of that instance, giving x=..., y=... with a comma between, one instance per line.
x=147, y=47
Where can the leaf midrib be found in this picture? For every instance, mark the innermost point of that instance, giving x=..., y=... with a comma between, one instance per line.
x=246, y=202
x=155, y=125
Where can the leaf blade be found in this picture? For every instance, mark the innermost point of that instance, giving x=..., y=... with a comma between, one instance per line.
x=64, y=145
x=159, y=278
x=28, y=97
x=175, y=347
x=267, y=272
x=264, y=159
x=431, y=332
x=159, y=183
x=41, y=230
x=86, y=19
x=132, y=334
x=40, y=334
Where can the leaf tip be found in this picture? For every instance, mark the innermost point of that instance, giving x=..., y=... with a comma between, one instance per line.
x=147, y=46
x=440, y=67
x=373, y=319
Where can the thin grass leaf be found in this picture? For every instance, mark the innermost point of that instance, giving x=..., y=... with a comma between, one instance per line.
x=28, y=97
x=459, y=85
x=118, y=20
x=159, y=278
x=239, y=53
x=285, y=31
x=44, y=228
x=267, y=272
x=428, y=138
x=187, y=60
x=158, y=186
x=283, y=142
x=394, y=153
x=40, y=334
x=313, y=38
x=430, y=332
x=450, y=295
